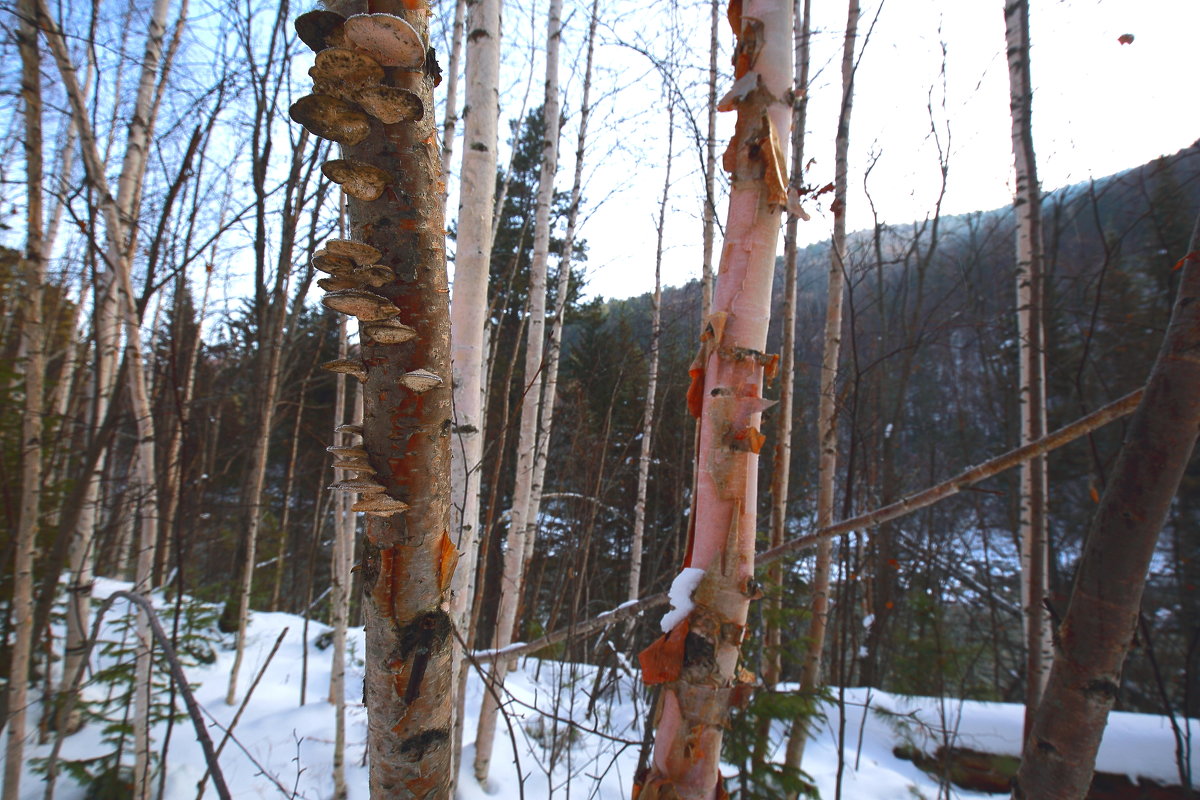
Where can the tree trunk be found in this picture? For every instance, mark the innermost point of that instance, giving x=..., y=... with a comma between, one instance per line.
x=810, y=676
x=710, y=168
x=1101, y=620
x=33, y=343
x=1027, y=208
x=702, y=680
x=522, y=526
x=409, y=555
x=643, y=482
x=472, y=265
x=782, y=456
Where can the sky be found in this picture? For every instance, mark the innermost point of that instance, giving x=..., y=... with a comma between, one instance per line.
x=1100, y=106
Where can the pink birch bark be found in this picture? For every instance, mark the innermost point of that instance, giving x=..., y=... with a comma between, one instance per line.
x=702, y=681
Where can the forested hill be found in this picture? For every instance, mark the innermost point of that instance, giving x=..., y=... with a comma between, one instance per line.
x=929, y=387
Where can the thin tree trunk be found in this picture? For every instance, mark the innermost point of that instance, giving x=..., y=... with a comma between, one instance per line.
x=343, y=546
x=450, y=124
x=563, y=289
x=782, y=456
x=472, y=264
x=33, y=344
x=726, y=393
x=523, y=527
x=1101, y=621
x=643, y=482
x=810, y=675
x=1027, y=207
x=710, y=168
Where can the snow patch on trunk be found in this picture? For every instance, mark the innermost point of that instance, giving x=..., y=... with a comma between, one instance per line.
x=681, y=597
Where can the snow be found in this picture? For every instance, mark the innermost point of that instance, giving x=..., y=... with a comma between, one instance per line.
x=681, y=597
x=560, y=748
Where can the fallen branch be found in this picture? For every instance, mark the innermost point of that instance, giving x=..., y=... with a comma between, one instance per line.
x=906, y=505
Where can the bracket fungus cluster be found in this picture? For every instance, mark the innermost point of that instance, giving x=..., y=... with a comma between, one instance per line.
x=360, y=63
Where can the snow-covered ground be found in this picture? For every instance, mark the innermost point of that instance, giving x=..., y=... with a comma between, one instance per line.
x=285, y=749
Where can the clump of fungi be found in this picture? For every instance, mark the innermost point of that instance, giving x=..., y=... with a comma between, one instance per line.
x=351, y=94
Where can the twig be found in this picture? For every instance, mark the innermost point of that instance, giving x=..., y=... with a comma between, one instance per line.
x=177, y=674
x=245, y=701
x=934, y=494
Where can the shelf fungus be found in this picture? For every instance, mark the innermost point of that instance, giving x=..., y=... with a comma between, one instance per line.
x=321, y=29
x=331, y=263
x=360, y=253
x=342, y=71
x=343, y=452
x=391, y=40
x=353, y=430
x=379, y=505
x=390, y=331
x=366, y=306
x=367, y=486
x=375, y=275
x=358, y=179
x=419, y=380
x=331, y=118
x=347, y=366
x=390, y=104
x=338, y=282
x=359, y=465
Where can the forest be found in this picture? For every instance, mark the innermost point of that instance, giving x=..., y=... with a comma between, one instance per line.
x=300, y=337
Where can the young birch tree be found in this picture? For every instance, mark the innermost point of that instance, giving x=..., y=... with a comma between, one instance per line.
x=391, y=275
x=702, y=680
x=810, y=676
x=523, y=527
x=33, y=266
x=472, y=259
x=643, y=478
x=1027, y=208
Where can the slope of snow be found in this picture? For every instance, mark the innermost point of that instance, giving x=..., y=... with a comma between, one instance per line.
x=285, y=749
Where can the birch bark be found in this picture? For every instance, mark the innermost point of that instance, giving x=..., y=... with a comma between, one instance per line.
x=697, y=661
x=523, y=527
x=1027, y=207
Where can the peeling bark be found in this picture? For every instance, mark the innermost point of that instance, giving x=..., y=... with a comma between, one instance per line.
x=700, y=676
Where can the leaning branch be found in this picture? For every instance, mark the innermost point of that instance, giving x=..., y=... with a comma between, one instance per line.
x=907, y=505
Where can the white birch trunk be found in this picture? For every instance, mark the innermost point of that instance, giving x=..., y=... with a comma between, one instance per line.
x=451, y=120
x=710, y=169
x=643, y=482
x=1032, y=357
x=810, y=677
x=522, y=527
x=343, y=545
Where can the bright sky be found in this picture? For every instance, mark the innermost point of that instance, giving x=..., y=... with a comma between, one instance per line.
x=1099, y=107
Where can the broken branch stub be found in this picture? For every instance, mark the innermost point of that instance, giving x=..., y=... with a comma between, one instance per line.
x=358, y=179
x=390, y=39
x=331, y=118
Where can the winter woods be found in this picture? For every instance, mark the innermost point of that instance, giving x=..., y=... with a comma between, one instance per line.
x=400, y=321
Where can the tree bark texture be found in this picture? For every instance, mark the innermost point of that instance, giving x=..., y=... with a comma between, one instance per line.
x=1101, y=620
x=1027, y=207
x=697, y=661
x=522, y=526
x=409, y=557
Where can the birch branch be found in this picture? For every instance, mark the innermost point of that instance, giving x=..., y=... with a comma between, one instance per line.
x=923, y=499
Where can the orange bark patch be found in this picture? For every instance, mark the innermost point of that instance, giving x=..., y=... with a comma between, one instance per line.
x=695, y=392
x=662, y=661
x=775, y=172
x=447, y=561
x=1192, y=256
x=750, y=439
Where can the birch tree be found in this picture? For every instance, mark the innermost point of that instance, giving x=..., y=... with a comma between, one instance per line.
x=726, y=394
x=33, y=266
x=523, y=527
x=827, y=432
x=1027, y=207
x=373, y=83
